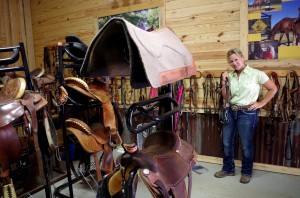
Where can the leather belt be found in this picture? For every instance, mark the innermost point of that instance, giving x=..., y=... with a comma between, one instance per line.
x=237, y=107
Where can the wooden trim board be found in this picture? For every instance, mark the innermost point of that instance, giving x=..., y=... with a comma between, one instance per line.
x=256, y=166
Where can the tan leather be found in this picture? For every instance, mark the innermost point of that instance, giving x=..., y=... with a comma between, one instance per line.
x=115, y=180
x=79, y=85
x=13, y=89
x=90, y=141
x=62, y=96
x=98, y=90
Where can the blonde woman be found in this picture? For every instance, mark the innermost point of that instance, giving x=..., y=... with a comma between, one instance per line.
x=245, y=83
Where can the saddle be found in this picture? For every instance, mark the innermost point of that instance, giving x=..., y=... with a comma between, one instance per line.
x=12, y=112
x=41, y=79
x=151, y=59
x=163, y=164
x=93, y=141
x=96, y=90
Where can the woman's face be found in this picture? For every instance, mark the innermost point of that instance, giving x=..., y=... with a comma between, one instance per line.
x=237, y=62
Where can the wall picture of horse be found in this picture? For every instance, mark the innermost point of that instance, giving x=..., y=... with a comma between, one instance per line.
x=283, y=28
x=258, y=6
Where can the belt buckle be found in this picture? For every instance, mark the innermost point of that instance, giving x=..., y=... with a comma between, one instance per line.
x=235, y=107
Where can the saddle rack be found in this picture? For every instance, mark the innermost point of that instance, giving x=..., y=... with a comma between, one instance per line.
x=71, y=56
x=144, y=108
x=15, y=52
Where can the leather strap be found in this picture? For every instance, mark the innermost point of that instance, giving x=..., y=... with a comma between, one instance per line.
x=99, y=175
x=193, y=92
x=209, y=89
x=28, y=104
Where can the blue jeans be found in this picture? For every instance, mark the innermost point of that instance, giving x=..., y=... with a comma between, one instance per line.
x=243, y=123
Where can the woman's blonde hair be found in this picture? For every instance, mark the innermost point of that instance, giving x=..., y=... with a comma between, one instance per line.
x=236, y=51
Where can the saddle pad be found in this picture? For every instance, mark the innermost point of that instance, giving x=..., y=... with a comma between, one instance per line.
x=149, y=58
x=13, y=89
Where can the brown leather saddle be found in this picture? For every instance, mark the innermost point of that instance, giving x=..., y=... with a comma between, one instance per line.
x=96, y=90
x=16, y=111
x=93, y=141
x=150, y=58
x=41, y=79
x=163, y=164
x=165, y=161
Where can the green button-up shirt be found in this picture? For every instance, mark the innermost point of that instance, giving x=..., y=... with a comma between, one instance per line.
x=245, y=88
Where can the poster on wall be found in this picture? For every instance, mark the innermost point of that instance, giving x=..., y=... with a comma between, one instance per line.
x=273, y=29
x=147, y=19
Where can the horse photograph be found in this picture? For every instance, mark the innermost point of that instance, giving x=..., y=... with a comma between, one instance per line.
x=258, y=6
x=283, y=28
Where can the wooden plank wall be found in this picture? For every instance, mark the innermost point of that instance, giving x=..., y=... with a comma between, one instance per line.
x=16, y=27
x=53, y=20
x=208, y=28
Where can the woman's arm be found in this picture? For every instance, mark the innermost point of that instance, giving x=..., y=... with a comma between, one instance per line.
x=272, y=89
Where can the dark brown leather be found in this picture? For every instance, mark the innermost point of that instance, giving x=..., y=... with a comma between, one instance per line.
x=9, y=111
x=33, y=102
x=26, y=108
x=164, y=161
x=10, y=148
x=237, y=107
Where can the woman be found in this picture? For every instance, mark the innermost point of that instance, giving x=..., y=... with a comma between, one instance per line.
x=244, y=84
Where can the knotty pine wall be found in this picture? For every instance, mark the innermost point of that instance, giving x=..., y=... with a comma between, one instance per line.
x=208, y=28
x=16, y=27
